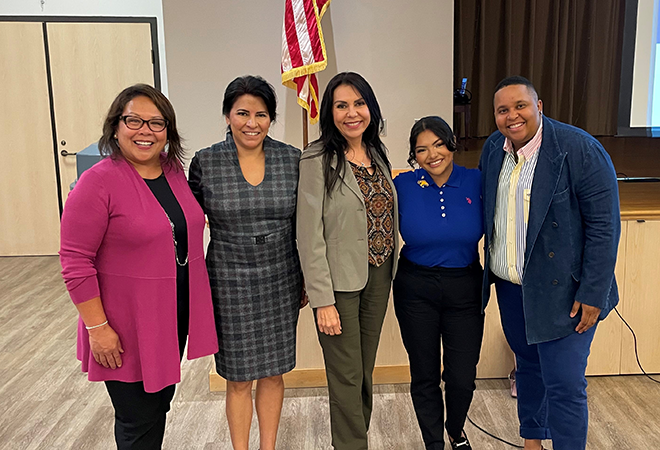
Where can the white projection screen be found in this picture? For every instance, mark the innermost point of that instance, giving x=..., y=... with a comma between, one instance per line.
x=639, y=97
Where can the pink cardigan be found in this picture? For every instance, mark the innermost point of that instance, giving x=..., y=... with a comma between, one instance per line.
x=116, y=243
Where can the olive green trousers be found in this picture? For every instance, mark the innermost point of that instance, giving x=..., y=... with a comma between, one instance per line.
x=350, y=357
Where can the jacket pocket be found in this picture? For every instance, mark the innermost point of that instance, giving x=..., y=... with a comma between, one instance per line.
x=561, y=196
x=576, y=274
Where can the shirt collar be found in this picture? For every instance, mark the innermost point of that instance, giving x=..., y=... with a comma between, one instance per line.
x=453, y=181
x=528, y=149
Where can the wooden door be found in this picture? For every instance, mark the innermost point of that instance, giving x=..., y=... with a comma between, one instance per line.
x=90, y=64
x=29, y=209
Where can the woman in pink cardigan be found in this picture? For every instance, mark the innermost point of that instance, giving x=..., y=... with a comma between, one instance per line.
x=133, y=262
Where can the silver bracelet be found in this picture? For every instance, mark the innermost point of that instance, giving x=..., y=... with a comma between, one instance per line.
x=97, y=326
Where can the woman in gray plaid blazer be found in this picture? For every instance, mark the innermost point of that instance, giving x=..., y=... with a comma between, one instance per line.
x=247, y=187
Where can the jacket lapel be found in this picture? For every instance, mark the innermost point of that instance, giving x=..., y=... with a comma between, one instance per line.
x=348, y=178
x=546, y=177
x=491, y=180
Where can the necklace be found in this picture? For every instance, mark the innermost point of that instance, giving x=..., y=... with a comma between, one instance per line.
x=176, y=252
x=360, y=162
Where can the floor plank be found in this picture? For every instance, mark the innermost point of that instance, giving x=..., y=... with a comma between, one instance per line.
x=47, y=403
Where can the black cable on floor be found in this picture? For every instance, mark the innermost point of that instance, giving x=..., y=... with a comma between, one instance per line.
x=492, y=435
x=635, y=342
x=638, y=363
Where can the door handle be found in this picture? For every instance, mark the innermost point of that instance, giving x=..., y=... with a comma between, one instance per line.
x=65, y=153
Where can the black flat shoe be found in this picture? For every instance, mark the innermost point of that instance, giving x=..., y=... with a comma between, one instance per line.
x=461, y=443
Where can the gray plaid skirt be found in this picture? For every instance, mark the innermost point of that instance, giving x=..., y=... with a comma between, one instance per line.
x=257, y=287
x=252, y=259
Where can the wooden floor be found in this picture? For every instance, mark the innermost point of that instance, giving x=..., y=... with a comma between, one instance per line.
x=47, y=403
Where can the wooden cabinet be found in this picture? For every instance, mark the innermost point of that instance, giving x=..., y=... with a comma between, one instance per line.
x=605, y=358
x=640, y=305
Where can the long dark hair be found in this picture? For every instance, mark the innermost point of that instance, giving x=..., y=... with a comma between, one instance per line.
x=334, y=143
x=108, y=145
x=437, y=126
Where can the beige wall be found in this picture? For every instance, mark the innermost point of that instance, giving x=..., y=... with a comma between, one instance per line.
x=404, y=49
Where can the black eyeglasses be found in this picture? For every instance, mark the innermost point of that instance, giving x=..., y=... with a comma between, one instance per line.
x=135, y=123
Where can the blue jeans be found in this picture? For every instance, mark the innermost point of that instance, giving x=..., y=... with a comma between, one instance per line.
x=551, y=382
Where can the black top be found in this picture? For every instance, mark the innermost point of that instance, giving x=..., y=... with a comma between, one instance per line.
x=163, y=193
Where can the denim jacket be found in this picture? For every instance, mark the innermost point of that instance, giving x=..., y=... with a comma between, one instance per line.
x=573, y=230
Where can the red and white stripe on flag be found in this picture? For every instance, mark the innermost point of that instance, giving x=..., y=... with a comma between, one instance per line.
x=303, y=51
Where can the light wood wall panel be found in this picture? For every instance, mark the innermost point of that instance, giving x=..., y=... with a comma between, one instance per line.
x=29, y=210
x=641, y=306
x=90, y=64
x=605, y=357
x=308, y=352
x=496, y=359
x=391, y=351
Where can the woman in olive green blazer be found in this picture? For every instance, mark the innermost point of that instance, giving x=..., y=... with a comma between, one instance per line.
x=347, y=228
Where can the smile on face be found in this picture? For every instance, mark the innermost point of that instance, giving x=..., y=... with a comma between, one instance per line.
x=433, y=156
x=141, y=147
x=517, y=113
x=249, y=122
x=350, y=113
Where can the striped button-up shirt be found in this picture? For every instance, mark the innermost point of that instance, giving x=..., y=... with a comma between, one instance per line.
x=507, y=248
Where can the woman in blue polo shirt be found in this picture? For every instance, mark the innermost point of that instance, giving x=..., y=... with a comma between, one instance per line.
x=437, y=289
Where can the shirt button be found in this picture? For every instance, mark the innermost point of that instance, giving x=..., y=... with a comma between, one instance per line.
x=443, y=214
x=551, y=254
x=440, y=192
x=554, y=225
x=442, y=200
x=442, y=207
x=555, y=282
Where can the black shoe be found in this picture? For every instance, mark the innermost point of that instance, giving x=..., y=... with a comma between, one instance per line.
x=461, y=443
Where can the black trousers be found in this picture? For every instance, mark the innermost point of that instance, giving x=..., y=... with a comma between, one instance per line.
x=140, y=416
x=434, y=307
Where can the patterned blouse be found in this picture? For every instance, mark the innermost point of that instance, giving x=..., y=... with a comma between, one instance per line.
x=379, y=202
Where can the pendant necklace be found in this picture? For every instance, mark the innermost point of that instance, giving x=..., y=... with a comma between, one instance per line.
x=176, y=249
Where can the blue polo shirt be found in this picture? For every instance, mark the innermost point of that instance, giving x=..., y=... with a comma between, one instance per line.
x=441, y=225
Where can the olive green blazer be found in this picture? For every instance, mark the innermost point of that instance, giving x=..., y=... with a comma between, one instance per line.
x=332, y=229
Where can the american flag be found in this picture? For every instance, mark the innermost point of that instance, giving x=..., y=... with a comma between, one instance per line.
x=303, y=51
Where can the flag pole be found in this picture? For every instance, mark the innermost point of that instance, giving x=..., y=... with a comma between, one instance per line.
x=304, y=127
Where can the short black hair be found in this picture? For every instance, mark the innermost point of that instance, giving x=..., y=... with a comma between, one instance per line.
x=515, y=81
x=437, y=126
x=251, y=85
